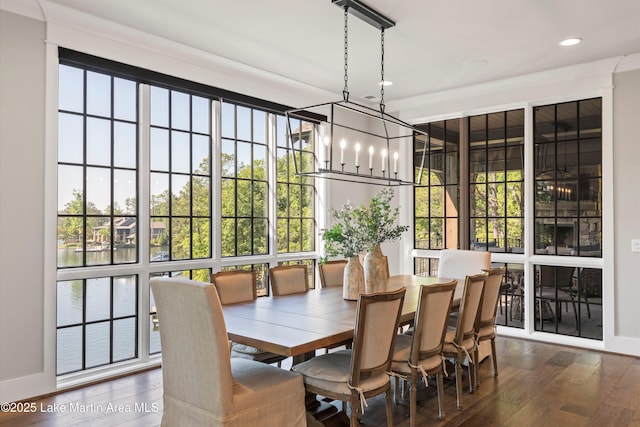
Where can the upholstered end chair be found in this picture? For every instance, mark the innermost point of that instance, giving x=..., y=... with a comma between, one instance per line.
x=202, y=384
x=460, y=263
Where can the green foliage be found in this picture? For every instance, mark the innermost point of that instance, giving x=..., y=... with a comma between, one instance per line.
x=380, y=221
x=345, y=238
x=358, y=229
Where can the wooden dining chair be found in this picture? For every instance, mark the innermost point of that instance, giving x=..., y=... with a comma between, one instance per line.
x=486, y=321
x=236, y=286
x=362, y=372
x=459, y=342
x=332, y=273
x=420, y=355
x=202, y=385
x=289, y=279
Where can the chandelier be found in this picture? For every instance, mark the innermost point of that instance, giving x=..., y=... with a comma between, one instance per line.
x=354, y=142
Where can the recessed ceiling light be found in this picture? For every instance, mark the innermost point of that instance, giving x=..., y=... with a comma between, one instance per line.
x=385, y=83
x=570, y=41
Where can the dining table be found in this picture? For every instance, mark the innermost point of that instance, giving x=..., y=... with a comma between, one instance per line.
x=298, y=324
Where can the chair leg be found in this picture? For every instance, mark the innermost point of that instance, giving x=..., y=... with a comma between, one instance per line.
x=458, y=383
x=389, y=408
x=396, y=382
x=440, y=387
x=355, y=410
x=476, y=363
x=413, y=397
x=494, y=359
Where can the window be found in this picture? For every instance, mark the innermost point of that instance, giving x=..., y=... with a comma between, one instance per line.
x=295, y=194
x=437, y=200
x=244, y=158
x=97, y=322
x=496, y=181
x=180, y=145
x=568, y=168
x=97, y=169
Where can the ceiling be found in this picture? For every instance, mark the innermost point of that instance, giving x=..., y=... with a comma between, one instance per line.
x=435, y=45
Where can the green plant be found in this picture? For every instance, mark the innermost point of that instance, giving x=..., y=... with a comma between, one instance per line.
x=379, y=223
x=356, y=230
x=345, y=237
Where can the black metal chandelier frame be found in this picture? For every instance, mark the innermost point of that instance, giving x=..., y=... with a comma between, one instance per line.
x=330, y=169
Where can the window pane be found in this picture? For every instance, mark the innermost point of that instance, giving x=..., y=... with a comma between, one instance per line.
x=69, y=350
x=124, y=339
x=124, y=99
x=98, y=94
x=180, y=152
x=71, y=89
x=159, y=106
x=69, y=302
x=98, y=190
x=98, y=344
x=180, y=194
x=98, y=299
x=124, y=296
x=124, y=145
x=124, y=191
x=98, y=141
x=201, y=115
x=70, y=138
x=179, y=110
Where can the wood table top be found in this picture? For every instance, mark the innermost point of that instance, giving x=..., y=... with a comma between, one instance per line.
x=293, y=325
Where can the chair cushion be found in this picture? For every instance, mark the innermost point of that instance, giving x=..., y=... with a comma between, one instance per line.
x=401, y=355
x=486, y=332
x=246, y=349
x=331, y=372
x=261, y=390
x=449, y=348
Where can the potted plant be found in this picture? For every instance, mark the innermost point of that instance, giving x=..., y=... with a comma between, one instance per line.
x=346, y=239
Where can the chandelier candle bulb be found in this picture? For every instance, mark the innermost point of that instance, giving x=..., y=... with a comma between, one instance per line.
x=371, y=157
x=395, y=162
x=357, y=154
x=343, y=144
x=384, y=155
x=326, y=149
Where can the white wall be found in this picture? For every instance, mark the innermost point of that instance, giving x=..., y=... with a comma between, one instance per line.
x=626, y=155
x=22, y=176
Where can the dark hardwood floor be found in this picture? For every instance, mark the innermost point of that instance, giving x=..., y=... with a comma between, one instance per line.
x=539, y=385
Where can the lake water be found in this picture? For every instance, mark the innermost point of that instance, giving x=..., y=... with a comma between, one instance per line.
x=98, y=296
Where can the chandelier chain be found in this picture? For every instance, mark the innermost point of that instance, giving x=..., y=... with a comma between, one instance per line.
x=345, y=91
x=382, y=70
